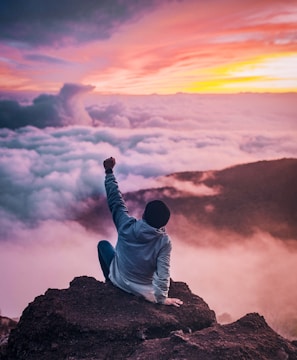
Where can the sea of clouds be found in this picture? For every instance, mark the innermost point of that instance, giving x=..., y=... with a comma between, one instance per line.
x=51, y=154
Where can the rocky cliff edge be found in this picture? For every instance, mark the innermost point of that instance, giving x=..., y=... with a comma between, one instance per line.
x=94, y=320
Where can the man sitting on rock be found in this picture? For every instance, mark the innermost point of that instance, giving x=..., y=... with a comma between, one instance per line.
x=141, y=260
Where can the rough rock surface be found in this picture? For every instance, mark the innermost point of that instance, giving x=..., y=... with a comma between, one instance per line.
x=6, y=325
x=249, y=338
x=94, y=320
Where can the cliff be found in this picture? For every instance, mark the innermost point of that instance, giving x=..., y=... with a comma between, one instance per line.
x=94, y=320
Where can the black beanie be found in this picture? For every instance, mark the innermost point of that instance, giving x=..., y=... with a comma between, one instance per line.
x=156, y=214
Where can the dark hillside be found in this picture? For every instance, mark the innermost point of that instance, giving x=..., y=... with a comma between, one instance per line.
x=241, y=199
x=258, y=196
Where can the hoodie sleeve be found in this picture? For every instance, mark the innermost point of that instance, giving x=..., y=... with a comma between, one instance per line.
x=162, y=275
x=116, y=202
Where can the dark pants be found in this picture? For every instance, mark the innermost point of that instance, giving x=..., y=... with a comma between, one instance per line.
x=105, y=254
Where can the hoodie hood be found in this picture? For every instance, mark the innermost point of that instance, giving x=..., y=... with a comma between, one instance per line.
x=146, y=233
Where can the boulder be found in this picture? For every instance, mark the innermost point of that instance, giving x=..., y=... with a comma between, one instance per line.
x=249, y=338
x=6, y=325
x=92, y=320
x=96, y=320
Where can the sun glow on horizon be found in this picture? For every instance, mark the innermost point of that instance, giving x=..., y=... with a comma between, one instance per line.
x=269, y=73
x=275, y=73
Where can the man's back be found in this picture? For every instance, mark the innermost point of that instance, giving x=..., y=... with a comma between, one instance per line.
x=141, y=260
x=142, y=251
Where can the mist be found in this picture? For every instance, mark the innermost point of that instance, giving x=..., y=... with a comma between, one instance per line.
x=256, y=274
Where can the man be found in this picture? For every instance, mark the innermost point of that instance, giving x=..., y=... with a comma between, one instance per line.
x=140, y=262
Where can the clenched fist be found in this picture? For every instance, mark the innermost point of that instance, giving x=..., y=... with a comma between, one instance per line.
x=109, y=163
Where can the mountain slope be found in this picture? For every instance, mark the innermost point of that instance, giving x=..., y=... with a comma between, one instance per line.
x=241, y=199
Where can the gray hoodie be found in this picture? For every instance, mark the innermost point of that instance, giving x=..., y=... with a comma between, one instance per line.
x=142, y=258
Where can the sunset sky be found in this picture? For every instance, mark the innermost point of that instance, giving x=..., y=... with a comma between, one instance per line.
x=155, y=84
x=154, y=46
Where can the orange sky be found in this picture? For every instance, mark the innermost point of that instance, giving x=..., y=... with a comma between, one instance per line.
x=218, y=46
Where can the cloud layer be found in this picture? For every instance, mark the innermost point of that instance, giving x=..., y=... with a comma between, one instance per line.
x=47, y=110
x=53, y=164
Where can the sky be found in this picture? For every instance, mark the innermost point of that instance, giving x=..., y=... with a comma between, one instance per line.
x=154, y=46
x=163, y=86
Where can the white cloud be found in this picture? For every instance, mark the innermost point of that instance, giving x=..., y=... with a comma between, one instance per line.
x=190, y=188
x=47, y=172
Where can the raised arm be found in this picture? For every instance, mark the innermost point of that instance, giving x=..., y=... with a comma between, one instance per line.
x=115, y=199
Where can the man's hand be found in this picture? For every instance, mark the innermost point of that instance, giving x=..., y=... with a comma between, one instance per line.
x=173, y=301
x=109, y=163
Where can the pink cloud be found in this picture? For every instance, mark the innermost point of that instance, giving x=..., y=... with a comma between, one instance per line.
x=256, y=273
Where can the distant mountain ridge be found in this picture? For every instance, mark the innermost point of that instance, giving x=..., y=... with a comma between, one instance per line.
x=243, y=199
x=256, y=196
x=246, y=198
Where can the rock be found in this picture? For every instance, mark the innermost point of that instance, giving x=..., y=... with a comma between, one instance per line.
x=95, y=320
x=249, y=338
x=92, y=320
x=6, y=325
